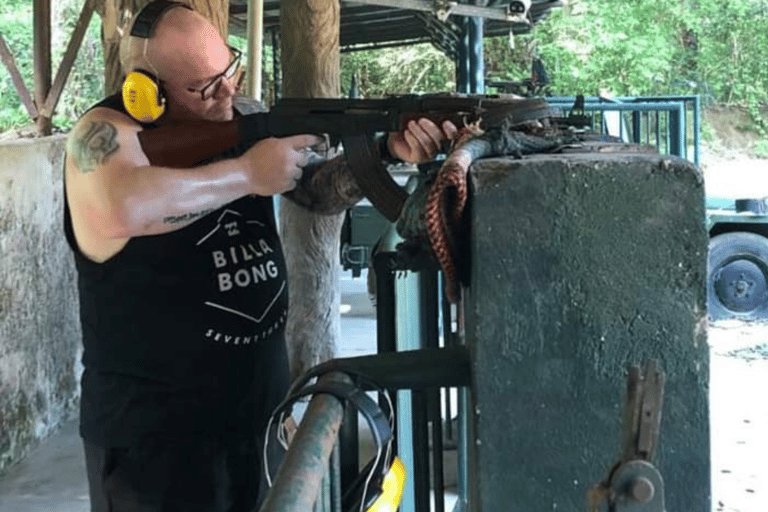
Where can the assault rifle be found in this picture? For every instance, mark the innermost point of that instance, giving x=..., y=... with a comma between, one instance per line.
x=354, y=123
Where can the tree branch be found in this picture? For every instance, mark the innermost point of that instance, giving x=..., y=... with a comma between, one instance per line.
x=18, y=82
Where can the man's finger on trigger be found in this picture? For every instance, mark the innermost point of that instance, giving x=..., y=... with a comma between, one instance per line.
x=414, y=144
x=432, y=131
x=427, y=143
x=450, y=129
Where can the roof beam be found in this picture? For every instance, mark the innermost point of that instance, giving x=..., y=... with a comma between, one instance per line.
x=443, y=9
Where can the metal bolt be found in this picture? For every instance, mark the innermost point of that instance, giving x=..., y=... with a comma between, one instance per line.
x=642, y=490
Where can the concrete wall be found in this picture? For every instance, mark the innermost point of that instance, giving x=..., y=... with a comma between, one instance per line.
x=39, y=324
x=583, y=265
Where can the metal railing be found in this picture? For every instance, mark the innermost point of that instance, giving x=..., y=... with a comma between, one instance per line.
x=672, y=124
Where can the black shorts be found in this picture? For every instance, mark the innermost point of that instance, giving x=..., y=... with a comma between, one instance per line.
x=189, y=475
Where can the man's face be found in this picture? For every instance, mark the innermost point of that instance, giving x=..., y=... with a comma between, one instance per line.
x=203, y=82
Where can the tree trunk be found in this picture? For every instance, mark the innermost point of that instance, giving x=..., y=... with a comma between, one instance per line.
x=118, y=14
x=309, y=32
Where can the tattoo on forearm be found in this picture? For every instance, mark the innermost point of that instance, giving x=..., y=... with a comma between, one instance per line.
x=93, y=147
x=176, y=219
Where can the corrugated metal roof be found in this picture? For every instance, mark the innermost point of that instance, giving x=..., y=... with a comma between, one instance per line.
x=374, y=26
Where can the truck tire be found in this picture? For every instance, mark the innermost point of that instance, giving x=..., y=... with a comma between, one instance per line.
x=737, y=276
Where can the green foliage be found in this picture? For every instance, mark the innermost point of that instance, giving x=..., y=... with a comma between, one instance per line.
x=86, y=80
x=732, y=45
x=15, y=23
x=85, y=83
x=648, y=47
x=761, y=148
x=602, y=46
x=404, y=70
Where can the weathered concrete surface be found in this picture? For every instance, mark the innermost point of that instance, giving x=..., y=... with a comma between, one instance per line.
x=583, y=265
x=39, y=325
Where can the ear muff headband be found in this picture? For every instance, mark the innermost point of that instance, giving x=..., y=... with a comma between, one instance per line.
x=145, y=22
x=143, y=97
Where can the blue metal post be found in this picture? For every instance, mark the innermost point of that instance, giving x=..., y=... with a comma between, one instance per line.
x=476, y=62
x=462, y=57
x=696, y=128
x=408, y=328
x=677, y=132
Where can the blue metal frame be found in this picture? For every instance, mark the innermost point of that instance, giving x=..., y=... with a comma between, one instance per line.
x=675, y=120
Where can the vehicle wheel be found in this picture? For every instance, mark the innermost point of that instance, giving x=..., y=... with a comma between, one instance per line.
x=737, y=276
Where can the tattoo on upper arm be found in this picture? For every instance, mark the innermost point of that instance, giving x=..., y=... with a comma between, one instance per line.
x=94, y=145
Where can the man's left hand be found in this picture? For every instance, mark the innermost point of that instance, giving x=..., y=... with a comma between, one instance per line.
x=420, y=141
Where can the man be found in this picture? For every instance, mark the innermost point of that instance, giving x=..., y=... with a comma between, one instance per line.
x=182, y=285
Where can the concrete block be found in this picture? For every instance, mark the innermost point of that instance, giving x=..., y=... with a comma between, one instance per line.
x=39, y=323
x=582, y=265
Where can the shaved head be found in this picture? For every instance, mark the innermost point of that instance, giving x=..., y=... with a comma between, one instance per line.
x=180, y=44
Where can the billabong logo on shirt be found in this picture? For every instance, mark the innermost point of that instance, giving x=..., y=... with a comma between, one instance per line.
x=243, y=258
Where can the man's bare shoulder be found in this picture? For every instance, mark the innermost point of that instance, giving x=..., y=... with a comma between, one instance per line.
x=96, y=137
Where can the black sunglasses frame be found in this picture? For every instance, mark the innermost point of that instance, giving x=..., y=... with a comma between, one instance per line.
x=229, y=72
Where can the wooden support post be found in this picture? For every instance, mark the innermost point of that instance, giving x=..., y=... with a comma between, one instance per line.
x=42, y=60
x=310, y=60
x=52, y=98
x=255, y=45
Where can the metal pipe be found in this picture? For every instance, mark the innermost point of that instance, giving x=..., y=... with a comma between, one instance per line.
x=430, y=309
x=383, y=260
x=255, y=40
x=420, y=455
x=349, y=457
x=696, y=128
x=336, y=479
x=676, y=132
x=496, y=12
x=448, y=341
x=301, y=474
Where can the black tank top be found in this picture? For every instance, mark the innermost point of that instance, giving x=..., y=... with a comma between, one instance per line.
x=183, y=332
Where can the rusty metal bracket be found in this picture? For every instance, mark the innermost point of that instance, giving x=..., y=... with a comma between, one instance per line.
x=634, y=484
x=642, y=421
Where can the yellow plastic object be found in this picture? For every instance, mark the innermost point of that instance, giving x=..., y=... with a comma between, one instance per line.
x=392, y=489
x=142, y=97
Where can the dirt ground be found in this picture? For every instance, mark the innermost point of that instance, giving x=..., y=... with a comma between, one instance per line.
x=731, y=167
x=739, y=415
x=738, y=350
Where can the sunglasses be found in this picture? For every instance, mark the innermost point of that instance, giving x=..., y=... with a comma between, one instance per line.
x=233, y=72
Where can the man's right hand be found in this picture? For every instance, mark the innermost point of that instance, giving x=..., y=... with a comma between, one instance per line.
x=274, y=165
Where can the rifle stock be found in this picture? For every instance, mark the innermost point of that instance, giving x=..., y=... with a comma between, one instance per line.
x=184, y=145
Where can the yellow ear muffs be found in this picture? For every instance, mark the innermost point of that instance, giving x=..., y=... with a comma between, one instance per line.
x=392, y=488
x=142, y=97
